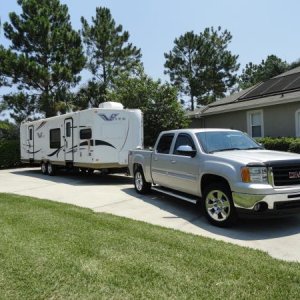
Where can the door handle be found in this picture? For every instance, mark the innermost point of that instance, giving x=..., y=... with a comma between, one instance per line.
x=173, y=161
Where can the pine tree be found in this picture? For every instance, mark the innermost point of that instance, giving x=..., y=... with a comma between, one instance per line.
x=44, y=59
x=201, y=66
x=109, y=53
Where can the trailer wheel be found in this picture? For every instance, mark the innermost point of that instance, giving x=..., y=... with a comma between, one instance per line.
x=51, y=169
x=90, y=171
x=44, y=168
x=140, y=184
x=218, y=205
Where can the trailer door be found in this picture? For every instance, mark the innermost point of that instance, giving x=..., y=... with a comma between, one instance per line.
x=30, y=143
x=68, y=139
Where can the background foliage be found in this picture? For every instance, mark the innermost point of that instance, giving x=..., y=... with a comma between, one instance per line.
x=287, y=144
x=9, y=145
x=201, y=65
x=43, y=61
x=157, y=101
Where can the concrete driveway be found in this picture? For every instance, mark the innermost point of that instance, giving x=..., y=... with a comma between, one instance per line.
x=115, y=194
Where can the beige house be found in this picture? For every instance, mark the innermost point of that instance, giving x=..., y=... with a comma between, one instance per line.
x=271, y=108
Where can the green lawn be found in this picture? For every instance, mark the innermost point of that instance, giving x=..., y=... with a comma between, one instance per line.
x=50, y=250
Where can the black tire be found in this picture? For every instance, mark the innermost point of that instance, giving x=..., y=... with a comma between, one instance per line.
x=218, y=205
x=51, y=169
x=140, y=184
x=90, y=171
x=44, y=168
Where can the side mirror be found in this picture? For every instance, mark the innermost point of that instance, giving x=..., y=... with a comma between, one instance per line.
x=186, y=150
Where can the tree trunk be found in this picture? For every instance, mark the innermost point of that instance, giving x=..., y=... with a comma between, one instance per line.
x=192, y=102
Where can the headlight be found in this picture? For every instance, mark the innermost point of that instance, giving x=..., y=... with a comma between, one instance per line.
x=254, y=174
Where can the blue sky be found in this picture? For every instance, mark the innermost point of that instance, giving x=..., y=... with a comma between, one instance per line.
x=259, y=27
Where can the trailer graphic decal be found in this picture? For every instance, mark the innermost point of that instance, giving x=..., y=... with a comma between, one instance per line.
x=33, y=152
x=103, y=143
x=41, y=125
x=40, y=135
x=55, y=152
x=112, y=117
x=92, y=143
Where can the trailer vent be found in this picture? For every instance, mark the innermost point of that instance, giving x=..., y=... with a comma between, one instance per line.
x=111, y=105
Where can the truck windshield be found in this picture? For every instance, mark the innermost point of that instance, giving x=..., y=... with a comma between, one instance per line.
x=215, y=141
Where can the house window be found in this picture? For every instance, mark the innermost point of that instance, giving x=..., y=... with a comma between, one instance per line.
x=55, y=138
x=255, y=123
x=86, y=134
x=297, y=121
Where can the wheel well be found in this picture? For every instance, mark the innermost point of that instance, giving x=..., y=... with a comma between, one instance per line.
x=209, y=178
x=137, y=166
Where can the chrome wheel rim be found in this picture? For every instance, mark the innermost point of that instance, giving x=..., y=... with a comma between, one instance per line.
x=217, y=205
x=49, y=168
x=138, y=181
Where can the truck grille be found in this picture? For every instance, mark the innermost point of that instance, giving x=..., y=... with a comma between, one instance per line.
x=286, y=175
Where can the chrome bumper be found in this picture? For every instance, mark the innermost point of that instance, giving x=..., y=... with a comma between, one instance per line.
x=248, y=201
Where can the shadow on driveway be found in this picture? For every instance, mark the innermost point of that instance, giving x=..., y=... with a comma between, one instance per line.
x=245, y=229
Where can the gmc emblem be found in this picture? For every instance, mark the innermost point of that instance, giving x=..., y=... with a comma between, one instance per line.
x=294, y=175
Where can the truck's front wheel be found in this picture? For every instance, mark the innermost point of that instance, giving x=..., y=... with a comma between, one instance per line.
x=140, y=184
x=218, y=205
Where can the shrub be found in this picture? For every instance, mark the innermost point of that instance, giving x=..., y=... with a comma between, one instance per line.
x=9, y=131
x=288, y=144
x=9, y=153
x=295, y=146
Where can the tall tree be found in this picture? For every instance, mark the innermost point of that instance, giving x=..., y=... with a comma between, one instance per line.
x=158, y=102
x=44, y=59
x=2, y=58
x=268, y=68
x=201, y=66
x=109, y=52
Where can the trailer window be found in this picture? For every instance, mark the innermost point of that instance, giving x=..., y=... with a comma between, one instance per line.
x=55, y=138
x=86, y=134
x=30, y=134
x=68, y=129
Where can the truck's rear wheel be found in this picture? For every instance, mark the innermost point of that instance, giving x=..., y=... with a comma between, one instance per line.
x=44, y=168
x=218, y=205
x=140, y=184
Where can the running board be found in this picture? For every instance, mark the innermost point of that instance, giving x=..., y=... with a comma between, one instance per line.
x=179, y=195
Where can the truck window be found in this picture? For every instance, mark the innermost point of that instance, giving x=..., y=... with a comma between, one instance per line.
x=55, y=138
x=86, y=134
x=164, y=143
x=183, y=139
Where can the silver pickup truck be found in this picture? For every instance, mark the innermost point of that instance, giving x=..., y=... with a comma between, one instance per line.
x=223, y=170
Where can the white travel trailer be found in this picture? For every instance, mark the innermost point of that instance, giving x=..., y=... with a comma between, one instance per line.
x=96, y=138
